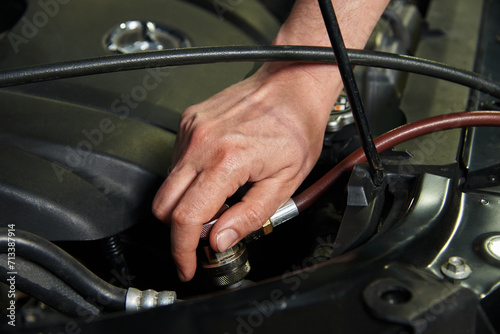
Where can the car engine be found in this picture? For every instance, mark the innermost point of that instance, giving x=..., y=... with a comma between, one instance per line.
x=92, y=93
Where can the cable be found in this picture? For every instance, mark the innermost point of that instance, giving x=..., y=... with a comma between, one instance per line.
x=64, y=266
x=393, y=138
x=206, y=55
x=352, y=91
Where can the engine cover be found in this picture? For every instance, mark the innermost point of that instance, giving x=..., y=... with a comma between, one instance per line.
x=82, y=158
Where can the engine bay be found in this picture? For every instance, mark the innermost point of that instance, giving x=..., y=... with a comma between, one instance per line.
x=85, y=142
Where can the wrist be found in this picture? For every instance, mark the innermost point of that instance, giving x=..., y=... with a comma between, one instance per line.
x=312, y=93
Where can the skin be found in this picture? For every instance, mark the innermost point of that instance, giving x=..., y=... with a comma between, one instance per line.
x=266, y=131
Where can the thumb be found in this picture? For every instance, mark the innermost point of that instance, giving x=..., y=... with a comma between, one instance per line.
x=247, y=216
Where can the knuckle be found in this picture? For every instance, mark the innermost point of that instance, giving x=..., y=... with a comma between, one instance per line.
x=200, y=134
x=256, y=101
x=226, y=164
x=255, y=216
x=230, y=170
x=189, y=118
x=190, y=112
x=180, y=217
x=186, y=120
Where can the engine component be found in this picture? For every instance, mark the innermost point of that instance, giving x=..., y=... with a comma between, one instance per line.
x=80, y=158
x=389, y=280
x=395, y=137
x=136, y=36
x=398, y=31
x=224, y=269
x=38, y=282
x=102, y=142
x=341, y=115
x=456, y=268
x=62, y=265
x=137, y=300
x=230, y=267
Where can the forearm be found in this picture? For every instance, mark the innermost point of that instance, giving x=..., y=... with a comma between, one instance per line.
x=356, y=18
x=305, y=26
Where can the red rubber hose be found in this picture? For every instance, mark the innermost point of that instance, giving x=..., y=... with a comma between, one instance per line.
x=393, y=138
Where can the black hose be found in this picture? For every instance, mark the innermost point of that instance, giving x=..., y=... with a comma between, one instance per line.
x=68, y=269
x=41, y=284
x=352, y=91
x=205, y=55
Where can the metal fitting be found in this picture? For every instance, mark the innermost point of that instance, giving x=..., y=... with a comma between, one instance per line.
x=230, y=267
x=341, y=115
x=207, y=227
x=142, y=300
x=135, y=36
x=284, y=213
x=226, y=268
x=456, y=268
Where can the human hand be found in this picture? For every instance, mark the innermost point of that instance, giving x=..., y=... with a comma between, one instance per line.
x=266, y=131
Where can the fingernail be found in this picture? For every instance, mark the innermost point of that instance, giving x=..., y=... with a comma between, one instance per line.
x=226, y=238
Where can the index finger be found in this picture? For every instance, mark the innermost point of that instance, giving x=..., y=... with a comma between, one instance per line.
x=201, y=201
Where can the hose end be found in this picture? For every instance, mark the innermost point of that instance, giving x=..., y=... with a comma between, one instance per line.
x=142, y=300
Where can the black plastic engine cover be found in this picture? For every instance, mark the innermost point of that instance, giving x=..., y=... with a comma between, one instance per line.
x=74, y=173
x=82, y=158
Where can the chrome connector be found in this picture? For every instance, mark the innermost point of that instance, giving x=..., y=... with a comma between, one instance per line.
x=284, y=213
x=142, y=300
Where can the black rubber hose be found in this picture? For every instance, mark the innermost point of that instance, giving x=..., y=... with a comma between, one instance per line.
x=38, y=282
x=67, y=268
x=206, y=55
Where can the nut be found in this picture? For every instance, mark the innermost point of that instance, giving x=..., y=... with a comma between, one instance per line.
x=456, y=268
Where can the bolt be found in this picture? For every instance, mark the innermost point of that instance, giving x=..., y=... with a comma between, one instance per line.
x=456, y=268
x=484, y=202
x=456, y=264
